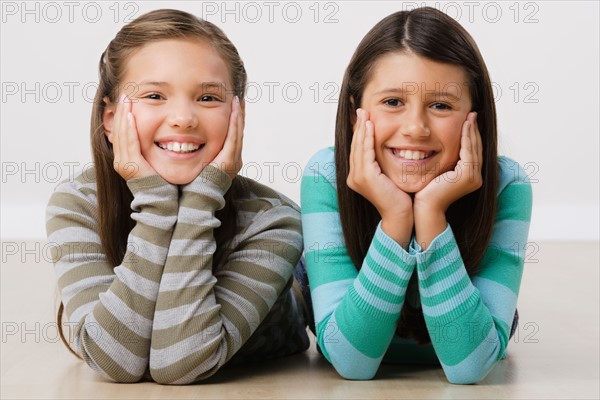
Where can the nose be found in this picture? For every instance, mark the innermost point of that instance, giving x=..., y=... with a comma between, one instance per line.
x=182, y=114
x=414, y=123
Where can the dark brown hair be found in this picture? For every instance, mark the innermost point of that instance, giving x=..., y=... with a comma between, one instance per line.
x=114, y=197
x=432, y=34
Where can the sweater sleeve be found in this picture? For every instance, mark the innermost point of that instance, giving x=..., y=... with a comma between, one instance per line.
x=356, y=312
x=469, y=319
x=203, y=316
x=109, y=309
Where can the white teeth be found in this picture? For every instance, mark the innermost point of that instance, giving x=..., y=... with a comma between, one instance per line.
x=177, y=147
x=411, y=154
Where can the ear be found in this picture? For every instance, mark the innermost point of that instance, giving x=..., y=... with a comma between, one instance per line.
x=108, y=116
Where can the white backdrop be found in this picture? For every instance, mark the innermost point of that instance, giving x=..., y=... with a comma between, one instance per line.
x=542, y=56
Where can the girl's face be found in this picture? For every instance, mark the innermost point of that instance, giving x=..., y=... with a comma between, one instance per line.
x=418, y=108
x=181, y=95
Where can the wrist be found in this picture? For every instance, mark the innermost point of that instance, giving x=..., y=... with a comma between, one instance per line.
x=429, y=206
x=211, y=176
x=429, y=223
x=399, y=229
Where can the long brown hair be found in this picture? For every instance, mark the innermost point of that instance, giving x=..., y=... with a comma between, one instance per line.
x=114, y=197
x=432, y=34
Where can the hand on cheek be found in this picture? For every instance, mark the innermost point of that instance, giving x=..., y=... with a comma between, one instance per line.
x=128, y=160
x=229, y=159
x=433, y=200
x=366, y=178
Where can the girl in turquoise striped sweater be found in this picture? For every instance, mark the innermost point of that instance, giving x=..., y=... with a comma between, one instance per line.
x=414, y=228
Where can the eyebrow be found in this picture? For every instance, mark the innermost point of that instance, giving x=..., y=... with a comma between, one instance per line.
x=427, y=93
x=217, y=85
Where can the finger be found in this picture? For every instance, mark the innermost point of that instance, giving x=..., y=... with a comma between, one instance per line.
x=240, y=127
x=359, y=137
x=478, y=140
x=366, y=115
x=472, y=138
x=369, y=144
x=240, y=136
x=465, y=143
x=123, y=132
x=228, y=150
x=357, y=126
x=134, y=150
x=474, y=165
x=472, y=160
x=133, y=141
x=353, y=146
x=118, y=136
x=231, y=140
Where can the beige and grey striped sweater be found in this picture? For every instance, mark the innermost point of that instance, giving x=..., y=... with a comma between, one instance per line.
x=167, y=312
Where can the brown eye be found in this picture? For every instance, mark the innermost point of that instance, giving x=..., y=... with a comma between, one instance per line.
x=154, y=96
x=392, y=102
x=441, y=106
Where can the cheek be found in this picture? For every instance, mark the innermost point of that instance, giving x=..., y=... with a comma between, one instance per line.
x=384, y=127
x=146, y=123
x=451, y=138
x=216, y=126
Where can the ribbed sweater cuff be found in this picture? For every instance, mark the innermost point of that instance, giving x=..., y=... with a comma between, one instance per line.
x=381, y=285
x=442, y=241
x=393, y=252
x=438, y=269
x=212, y=176
x=138, y=185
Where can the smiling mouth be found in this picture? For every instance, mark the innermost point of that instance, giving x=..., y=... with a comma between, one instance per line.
x=180, y=148
x=412, y=155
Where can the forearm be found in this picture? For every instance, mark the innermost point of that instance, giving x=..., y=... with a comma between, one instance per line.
x=429, y=223
x=362, y=318
x=111, y=309
x=356, y=313
x=187, y=325
x=399, y=227
x=462, y=330
x=204, y=315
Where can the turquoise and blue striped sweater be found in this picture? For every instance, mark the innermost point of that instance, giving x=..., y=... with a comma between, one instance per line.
x=356, y=312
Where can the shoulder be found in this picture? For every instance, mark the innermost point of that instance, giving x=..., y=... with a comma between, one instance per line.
x=255, y=200
x=81, y=187
x=321, y=167
x=511, y=173
x=515, y=196
x=322, y=163
x=326, y=155
x=319, y=183
x=73, y=204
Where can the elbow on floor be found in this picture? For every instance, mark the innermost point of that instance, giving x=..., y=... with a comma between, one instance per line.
x=355, y=373
x=466, y=377
x=119, y=378
x=165, y=378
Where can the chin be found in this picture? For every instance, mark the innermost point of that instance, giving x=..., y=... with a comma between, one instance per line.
x=177, y=178
x=410, y=185
x=178, y=174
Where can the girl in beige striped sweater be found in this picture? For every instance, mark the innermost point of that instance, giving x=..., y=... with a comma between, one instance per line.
x=169, y=264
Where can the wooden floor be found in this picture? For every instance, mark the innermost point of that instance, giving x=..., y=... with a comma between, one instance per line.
x=553, y=355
